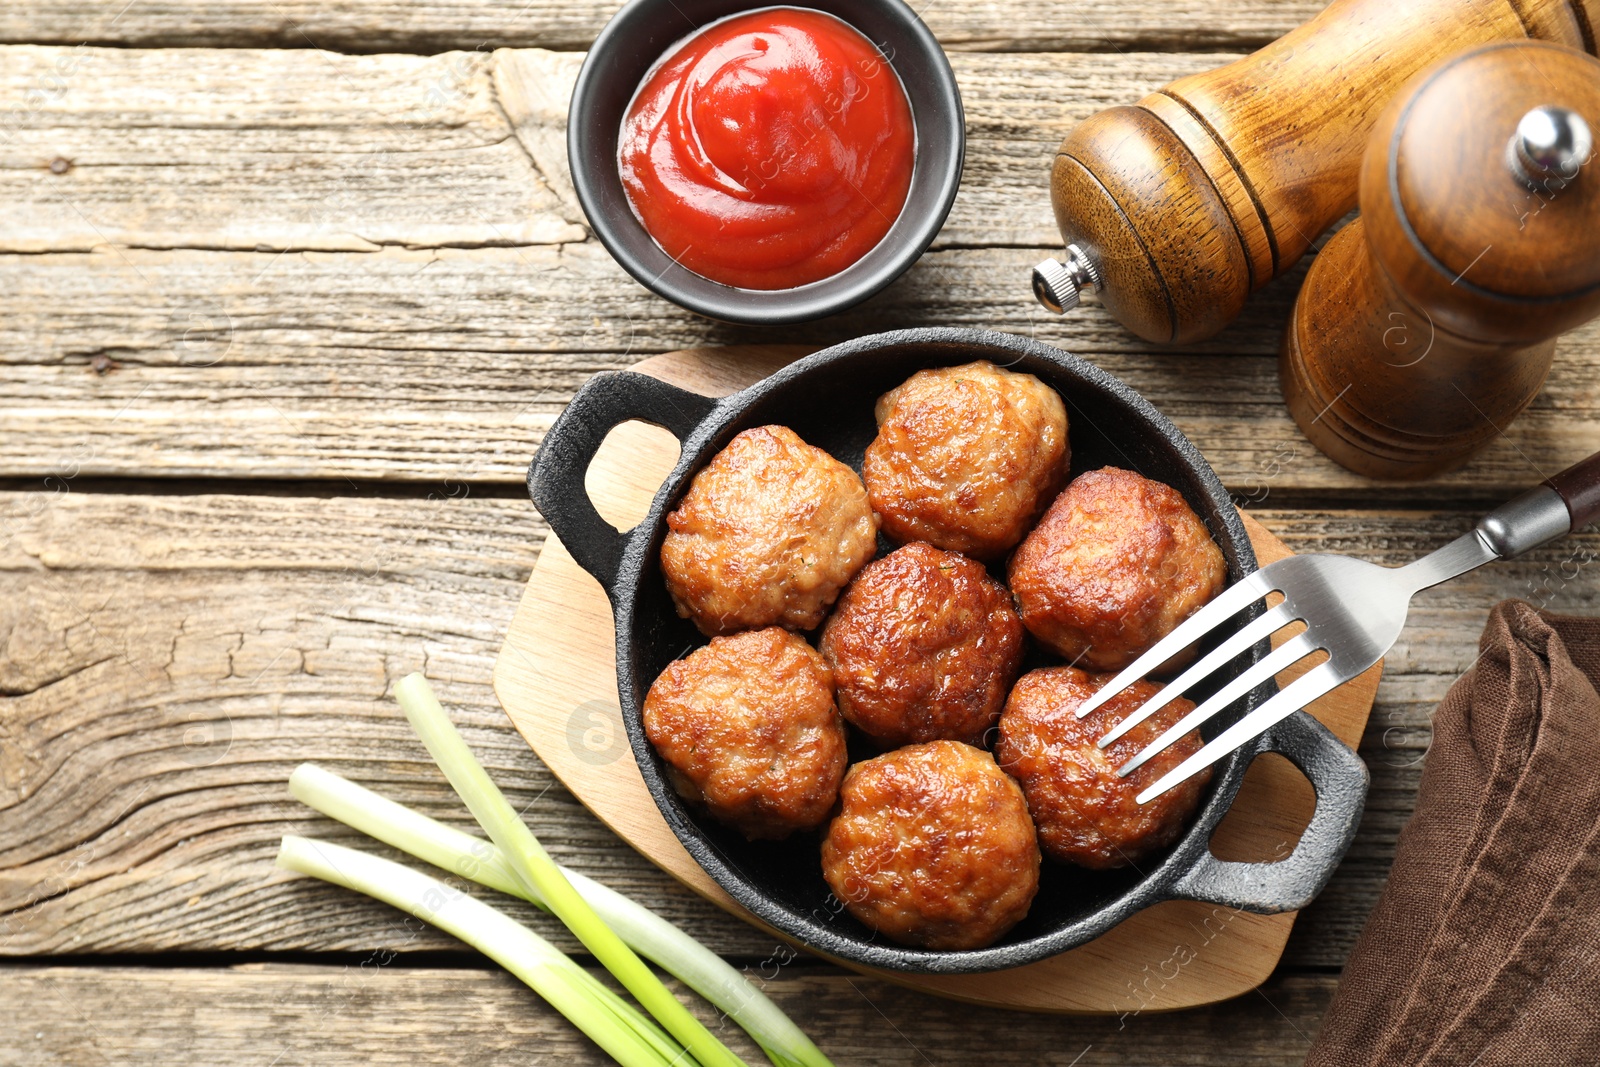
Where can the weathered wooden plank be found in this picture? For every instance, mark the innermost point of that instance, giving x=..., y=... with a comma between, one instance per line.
x=265, y=150
x=384, y=1013
x=261, y=149
x=437, y=25
x=449, y=364
x=169, y=659
x=165, y=345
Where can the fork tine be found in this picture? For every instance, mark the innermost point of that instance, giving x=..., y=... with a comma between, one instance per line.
x=1296, y=695
x=1265, y=626
x=1225, y=606
x=1291, y=651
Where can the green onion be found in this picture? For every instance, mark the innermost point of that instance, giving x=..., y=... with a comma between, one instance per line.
x=626, y=1035
x=646, y=932
x=536, y=873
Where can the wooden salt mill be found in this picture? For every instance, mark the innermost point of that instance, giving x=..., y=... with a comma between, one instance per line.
x=1176, y=209
x=1428, y=324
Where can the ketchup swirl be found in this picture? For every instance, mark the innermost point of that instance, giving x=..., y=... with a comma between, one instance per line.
x=769, y=150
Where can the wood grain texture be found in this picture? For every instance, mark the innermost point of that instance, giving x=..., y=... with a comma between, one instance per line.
x=1222, y=180
x=272, y=150
x=556, y=678
x=169, y=659
x=252, y=264
x=441, y=25
x=269, y=150
x=444, y=350
x=449, y=364
x=1396, y=362
x=377, y=1011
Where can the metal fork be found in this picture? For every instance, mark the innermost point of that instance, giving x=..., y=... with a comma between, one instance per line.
x=1353, y=612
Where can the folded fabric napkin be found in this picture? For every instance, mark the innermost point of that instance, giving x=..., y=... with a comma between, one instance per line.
x=1484, y=950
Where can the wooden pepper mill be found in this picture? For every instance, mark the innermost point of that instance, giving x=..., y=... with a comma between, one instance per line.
x=1176, y=209
x=1428, y=324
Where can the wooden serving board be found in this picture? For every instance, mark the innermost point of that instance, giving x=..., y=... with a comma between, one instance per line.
x=556, y=679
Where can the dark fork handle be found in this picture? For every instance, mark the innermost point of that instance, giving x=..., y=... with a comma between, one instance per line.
x=1579, y=486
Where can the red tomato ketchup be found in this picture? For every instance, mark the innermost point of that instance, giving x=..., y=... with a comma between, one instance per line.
x=769, y=150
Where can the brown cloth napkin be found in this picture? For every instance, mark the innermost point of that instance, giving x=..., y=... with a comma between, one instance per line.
x=1484, y=950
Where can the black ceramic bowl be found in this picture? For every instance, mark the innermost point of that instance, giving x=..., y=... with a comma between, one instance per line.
x=828, y=400
x=638, y=36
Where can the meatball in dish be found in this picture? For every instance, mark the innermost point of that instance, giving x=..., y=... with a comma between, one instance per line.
x=966, y=457
x=748, y=729
x=924, y=646
x=1115, y=564
x=933, y=847
x=1085, y=814
x=769, y=532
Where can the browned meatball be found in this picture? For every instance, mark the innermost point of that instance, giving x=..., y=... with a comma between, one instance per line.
x=1115, y=564
x=923, y=646
x=933, y=847
x=748, y=728
x=966, y=457
x=769, y=532
x=1085, y=813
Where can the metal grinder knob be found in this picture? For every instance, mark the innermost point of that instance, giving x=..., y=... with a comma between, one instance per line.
x=1060, y=286
x=1550, y=144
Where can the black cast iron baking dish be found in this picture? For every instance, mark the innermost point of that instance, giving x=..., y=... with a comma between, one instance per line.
x=828, y=398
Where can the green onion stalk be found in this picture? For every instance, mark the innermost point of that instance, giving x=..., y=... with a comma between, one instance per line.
x=626, y=1035
x=480, y=861
x=536, y=873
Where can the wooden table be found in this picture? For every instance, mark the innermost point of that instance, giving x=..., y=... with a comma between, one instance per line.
x=288, y=292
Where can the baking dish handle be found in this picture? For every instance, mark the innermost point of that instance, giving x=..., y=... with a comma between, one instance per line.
x=555, y=478
x=1340, y=779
